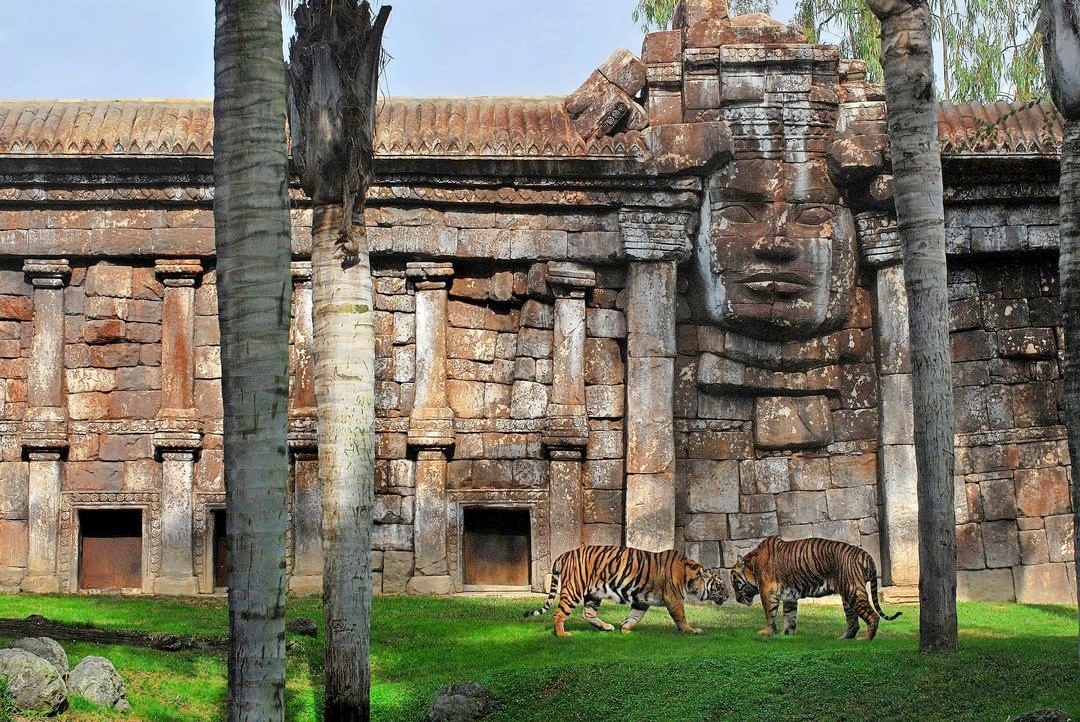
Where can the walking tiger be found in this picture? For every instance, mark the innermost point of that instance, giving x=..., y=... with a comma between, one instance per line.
x=628, y=576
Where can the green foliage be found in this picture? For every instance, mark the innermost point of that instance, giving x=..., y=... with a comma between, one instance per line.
x=847, y=23
x=7, y=705
x=1013, y=659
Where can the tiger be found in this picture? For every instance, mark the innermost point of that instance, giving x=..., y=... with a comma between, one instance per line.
x=627, y=575
x=785, y=571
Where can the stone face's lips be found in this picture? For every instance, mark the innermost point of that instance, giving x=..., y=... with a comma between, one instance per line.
x=783, y=283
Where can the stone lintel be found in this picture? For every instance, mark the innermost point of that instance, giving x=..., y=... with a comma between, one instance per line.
x=41, y=438
x=47, y=272
x=570, y=279
x=301, y=271
x=656, y=235
x=179, y=271
x=429, y=275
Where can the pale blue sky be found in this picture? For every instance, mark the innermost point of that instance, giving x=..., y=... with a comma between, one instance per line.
x=164, y=48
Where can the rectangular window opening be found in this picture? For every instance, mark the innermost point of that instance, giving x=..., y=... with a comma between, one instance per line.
x=221, y=550
x=496, y=547
x=110, y=549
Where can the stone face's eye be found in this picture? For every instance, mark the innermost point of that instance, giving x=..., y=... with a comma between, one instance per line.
x=813, y=215
x=738, y=214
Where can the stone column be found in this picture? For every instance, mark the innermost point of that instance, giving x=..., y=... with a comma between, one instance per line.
x=43, y=433
x=431, y=428
x=654, y=241
x=178, y=437
x=307, y=565
x=566, y=429
x=898, y=477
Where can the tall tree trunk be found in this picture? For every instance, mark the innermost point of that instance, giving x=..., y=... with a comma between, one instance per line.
x=252, y=233
x=916, y=159
x=333, y=79
x=1061, y=53
x=344, y=332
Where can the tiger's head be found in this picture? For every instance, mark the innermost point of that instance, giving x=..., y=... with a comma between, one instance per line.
x=744, y=579
x=706, y=584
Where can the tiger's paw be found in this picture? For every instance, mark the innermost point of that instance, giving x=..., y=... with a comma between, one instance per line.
x=626, y=630
x=695, y=630
x=607, y=628
x=766, y=632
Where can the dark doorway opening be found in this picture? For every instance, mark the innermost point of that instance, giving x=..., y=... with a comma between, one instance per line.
x=221, y=550
x=495, y=547
x=110, y=548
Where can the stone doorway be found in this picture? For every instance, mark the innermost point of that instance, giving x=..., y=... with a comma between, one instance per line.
x=110, y=549
x=496, y=548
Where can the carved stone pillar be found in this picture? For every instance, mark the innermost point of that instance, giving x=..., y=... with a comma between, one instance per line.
x=899, y=478
x=654, y=241
x=431, y=428
x=566, y=429
x=178, y=452
x=43, y=434
x=178, y=438
x=307, y=556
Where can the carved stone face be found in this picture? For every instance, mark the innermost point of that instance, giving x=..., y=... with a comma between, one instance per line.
x=776, y=251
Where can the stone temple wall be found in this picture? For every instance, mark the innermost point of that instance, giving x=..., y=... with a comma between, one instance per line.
x=665, y=311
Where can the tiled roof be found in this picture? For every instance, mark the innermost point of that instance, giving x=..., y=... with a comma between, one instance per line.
x=446, y=127
x=409, y=127
x=999, y=128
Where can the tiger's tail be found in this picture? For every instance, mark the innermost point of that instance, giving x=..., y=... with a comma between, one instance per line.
x=871, y=577
x=556, y=573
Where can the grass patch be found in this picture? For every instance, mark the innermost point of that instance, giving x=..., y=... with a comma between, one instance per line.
x=1013, y=659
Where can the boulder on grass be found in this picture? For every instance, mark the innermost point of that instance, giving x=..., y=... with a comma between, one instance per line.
x=304, y=626
x=461, y=702
x=33, y=682
x=46, y=648
x=1044, y=715
x=95, y=679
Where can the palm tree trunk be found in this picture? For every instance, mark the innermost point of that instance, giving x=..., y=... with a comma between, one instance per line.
x=1069, y=274
x=913, y=138
x=344, y=346
x=1061, y=48
x=252, y=233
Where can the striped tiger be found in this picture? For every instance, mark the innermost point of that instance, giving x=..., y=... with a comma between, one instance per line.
x=628, y=576
x=786, y=571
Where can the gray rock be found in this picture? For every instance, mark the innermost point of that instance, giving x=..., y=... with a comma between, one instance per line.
x=304, y=626
x=33, y=683
x=461, y=702
x=1044, y=715
x=46, y=648
x=96, y=680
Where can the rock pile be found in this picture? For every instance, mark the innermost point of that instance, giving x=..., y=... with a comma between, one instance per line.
x=35, y=670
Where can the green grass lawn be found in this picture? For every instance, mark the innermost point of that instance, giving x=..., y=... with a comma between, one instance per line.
x=1013, y=659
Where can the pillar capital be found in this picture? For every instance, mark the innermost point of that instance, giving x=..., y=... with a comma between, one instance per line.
x=300, y=271
x=657, y=235
x=47, y=272
x=431, y=428
x=44, y=437
x=565, y=428
x=879, y=241
x=301, y=435
x=179, y=272
x=570, y=280
x=429, y=275
x=177, y=444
